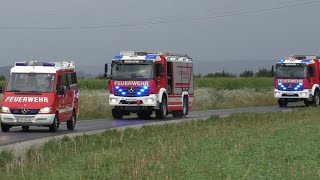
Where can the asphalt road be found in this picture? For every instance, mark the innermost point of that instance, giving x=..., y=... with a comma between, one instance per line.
x=16, y=134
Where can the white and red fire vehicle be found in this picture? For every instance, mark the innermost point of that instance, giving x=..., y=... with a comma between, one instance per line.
x=297, y=79
x=40, y=94
x=144, y=83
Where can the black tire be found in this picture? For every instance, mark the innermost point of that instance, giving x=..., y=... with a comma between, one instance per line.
x=162, y=112
x=117, y=114
x=316, y=98
x=72, y=122
x=282, y=103
x=185, y=107
x=25, y=127
x=184, y=112
x=5, y=127
x=55, y=124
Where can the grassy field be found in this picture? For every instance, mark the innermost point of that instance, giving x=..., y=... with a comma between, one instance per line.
x=274, y=145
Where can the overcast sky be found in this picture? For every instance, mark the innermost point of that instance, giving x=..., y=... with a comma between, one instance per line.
x=208, y=30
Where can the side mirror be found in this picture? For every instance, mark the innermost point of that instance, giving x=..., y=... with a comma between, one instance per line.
x=161, y=70
x=311, y=71
x=1, y=90
x=62, y=90
x=272, y=70
x=105, y=70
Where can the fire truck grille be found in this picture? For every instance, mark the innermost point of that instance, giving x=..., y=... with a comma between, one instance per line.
x=25, y=111
x=132, y=91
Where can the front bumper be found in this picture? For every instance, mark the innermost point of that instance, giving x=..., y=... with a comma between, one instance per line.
x=304, y=94
x=27, y=120
x=146, y=101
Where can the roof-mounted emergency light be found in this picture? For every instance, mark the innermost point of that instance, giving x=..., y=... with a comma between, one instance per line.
x=151, y=57
x=21, y=63
x=119, y=57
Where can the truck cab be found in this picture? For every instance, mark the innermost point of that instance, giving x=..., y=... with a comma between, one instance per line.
x=297, y=79
x=40, y=94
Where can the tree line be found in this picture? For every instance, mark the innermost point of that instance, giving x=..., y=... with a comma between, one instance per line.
x=263, y=72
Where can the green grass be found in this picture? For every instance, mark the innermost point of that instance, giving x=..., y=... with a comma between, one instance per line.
x=274, y=145
x=235, y=83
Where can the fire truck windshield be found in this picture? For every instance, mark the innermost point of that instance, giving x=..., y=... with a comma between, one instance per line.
x=132, y=71
x=30, y=82
x=284, y=71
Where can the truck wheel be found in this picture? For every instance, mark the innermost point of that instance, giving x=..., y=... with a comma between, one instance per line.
x=25, y=127
x=316, y=99
x=72, y=122
x=5, y=127
x=117, y=114
x=282, y=103
x=185, y=108
x=162, y=112
x=55, y=124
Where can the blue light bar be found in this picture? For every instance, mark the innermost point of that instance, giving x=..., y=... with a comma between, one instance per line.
x=139, y=93
x=151, y=57
x=48, y=64
x=281, y=61
x=119, y=57
x=306, y=61
x=123, y=93
x=21, y=64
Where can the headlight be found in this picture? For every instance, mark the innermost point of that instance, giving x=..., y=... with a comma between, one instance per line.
x=303, y=94
x=45, y=110
x=277, y=94
x=149, y=100
x=113, y=100
x=5, y=109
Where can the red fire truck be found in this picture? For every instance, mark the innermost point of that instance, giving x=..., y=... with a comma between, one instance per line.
x=297, y=79
x=40, y=94
x=143, y=83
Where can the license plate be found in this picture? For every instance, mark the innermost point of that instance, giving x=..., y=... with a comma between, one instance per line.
x=24, y=119
x=290, y=93
x=131, y=100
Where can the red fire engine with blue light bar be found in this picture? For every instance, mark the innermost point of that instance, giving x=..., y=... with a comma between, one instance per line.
x=297, y=79
x=143, y=83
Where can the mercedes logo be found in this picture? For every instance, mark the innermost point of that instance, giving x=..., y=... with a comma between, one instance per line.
x=131, y=90
x=24, y=111
x=290, y=86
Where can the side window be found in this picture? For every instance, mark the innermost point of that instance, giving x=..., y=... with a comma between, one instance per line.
x=58, y=83
x=73, y=80
x=311, y=71
x=65, y=81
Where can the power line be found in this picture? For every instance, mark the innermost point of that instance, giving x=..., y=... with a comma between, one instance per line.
x=179, y=20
